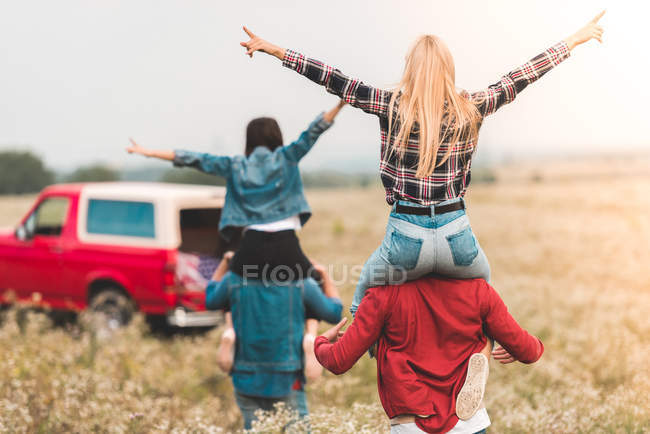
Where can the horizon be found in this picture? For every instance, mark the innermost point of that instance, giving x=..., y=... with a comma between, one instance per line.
x=370, y=167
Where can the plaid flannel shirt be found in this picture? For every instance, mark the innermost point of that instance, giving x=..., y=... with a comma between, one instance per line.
x=450, y=179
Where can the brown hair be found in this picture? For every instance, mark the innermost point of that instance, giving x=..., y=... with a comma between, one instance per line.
x=262, y=132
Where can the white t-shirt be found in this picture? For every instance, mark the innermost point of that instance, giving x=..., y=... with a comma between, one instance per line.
x=476, y=423
x=290, y=223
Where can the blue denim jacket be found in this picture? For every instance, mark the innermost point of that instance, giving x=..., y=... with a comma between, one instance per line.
x=264, y=187
x=269, y=321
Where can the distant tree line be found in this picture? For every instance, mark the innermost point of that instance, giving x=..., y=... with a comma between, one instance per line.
x=191, y=176
x=333, y=179
x=93, y=173
x=23, y=172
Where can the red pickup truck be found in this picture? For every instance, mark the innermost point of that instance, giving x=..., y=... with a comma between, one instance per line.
x=114, y=248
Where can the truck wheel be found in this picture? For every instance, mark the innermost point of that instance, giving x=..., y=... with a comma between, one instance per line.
x=158, y=325
x=112, y=308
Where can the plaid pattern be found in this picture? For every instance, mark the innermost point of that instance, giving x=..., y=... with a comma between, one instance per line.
x=449, y=180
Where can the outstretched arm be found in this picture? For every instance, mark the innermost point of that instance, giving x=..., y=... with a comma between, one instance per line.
x=506, y=90
x=223, y=266
x=212, y=164
x=137, y=149
x=353, y=91
x=517, y=343
x=339, y=355
x=326, y=304
x=298, y=149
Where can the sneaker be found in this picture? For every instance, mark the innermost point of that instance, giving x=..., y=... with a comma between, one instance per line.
x=471, y=394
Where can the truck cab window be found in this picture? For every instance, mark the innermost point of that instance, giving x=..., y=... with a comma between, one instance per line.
x=121, y=218
x=49, y=218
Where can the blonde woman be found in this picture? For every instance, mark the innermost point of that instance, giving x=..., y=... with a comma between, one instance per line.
x=429, y=131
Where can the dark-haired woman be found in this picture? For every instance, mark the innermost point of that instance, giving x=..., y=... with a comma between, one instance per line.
x=264, y=195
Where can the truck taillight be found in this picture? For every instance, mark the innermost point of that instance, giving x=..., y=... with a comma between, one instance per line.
x=169, y=273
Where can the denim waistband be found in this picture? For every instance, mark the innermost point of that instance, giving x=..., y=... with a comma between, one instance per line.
x=433, y=221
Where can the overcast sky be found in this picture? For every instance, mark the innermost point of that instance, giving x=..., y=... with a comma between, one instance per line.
x=79, y=77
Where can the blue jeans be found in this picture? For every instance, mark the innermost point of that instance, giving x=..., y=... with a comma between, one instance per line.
x=248, y=405
x=417, y=245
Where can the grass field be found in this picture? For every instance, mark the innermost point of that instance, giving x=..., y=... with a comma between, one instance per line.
x=569, y=250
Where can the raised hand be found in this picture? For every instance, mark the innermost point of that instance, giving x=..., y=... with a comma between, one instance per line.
x=331, y=114
x=590, y=31
x=135, y=148
x=255, y=43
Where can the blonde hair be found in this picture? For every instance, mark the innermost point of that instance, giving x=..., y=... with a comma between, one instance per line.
x=429, y=97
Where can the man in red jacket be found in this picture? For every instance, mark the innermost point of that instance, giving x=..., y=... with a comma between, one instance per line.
x=426, y=331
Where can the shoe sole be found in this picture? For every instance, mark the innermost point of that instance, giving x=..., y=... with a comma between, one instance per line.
x=471, y=394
